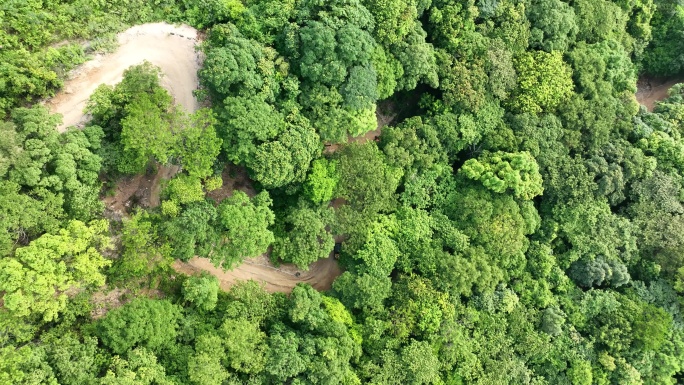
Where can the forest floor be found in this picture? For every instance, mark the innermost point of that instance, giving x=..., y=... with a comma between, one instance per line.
x=651, y=90
x=172, y=48
x=142, y=190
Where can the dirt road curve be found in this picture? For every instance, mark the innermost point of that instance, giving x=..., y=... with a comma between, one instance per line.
x=650, y=91
x=172, y=48
x=321, y=273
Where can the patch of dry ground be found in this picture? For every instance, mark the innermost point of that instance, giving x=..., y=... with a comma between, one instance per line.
x=172, y=48
x=321, y=273
x=105, y=300
x=141, y=190
x=651, y=90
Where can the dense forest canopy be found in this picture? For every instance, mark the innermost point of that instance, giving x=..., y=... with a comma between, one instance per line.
x=520, y=220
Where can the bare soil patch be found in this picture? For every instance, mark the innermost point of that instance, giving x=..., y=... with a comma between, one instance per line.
x=651, y=90
x=106, y=300
x=172, y=48
x=283, y=279
x=141, y=190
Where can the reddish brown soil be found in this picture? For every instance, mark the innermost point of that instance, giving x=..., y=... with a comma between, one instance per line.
x=651, y=90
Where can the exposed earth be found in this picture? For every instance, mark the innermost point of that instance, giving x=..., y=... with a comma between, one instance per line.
x=651, y=90
x=172, y=48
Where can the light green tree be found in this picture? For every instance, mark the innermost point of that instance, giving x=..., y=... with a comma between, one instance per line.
x=544, y=81
x=322, y=181
x=35, y=279
x=201, y=291
x=501, y=171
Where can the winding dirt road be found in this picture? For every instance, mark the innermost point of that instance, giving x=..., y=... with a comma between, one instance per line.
x=172, y=48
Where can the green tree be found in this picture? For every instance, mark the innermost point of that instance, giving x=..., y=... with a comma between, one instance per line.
x=552, y=321
x=194, y=231
x=143, y=322
x=379, y=252
x=246, y=123
x=140, y=368
x=145, y=134
x=244, y=344
x=364, y=291
x=553, y=25
x=34, y=280
x=417, y=308
x=304, y=237
x=205, y=367
x=58, y=173
x=394, y=19
x=286, y=160
x=184, y=189
x=142, y=253
x=366, y=181
x=198, y=146
x=244, y=223
x=662, y=55
x=201, y=291
x=602, y=20
x=23, y=216
x=74, y=362
x=212, y=12
x=451, y=22
x=415, y=364
x=238, y=66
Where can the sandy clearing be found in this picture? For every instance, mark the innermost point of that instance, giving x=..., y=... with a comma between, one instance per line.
x=172, y=48
x=320, y=276
x=649, y=91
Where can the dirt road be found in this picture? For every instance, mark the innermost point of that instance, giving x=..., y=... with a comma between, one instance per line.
x=172, y=48
x=321, y=273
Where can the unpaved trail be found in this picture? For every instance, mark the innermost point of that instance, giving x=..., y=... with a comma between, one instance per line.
x=172, y=48
x=649, y=91
x=321, y=273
